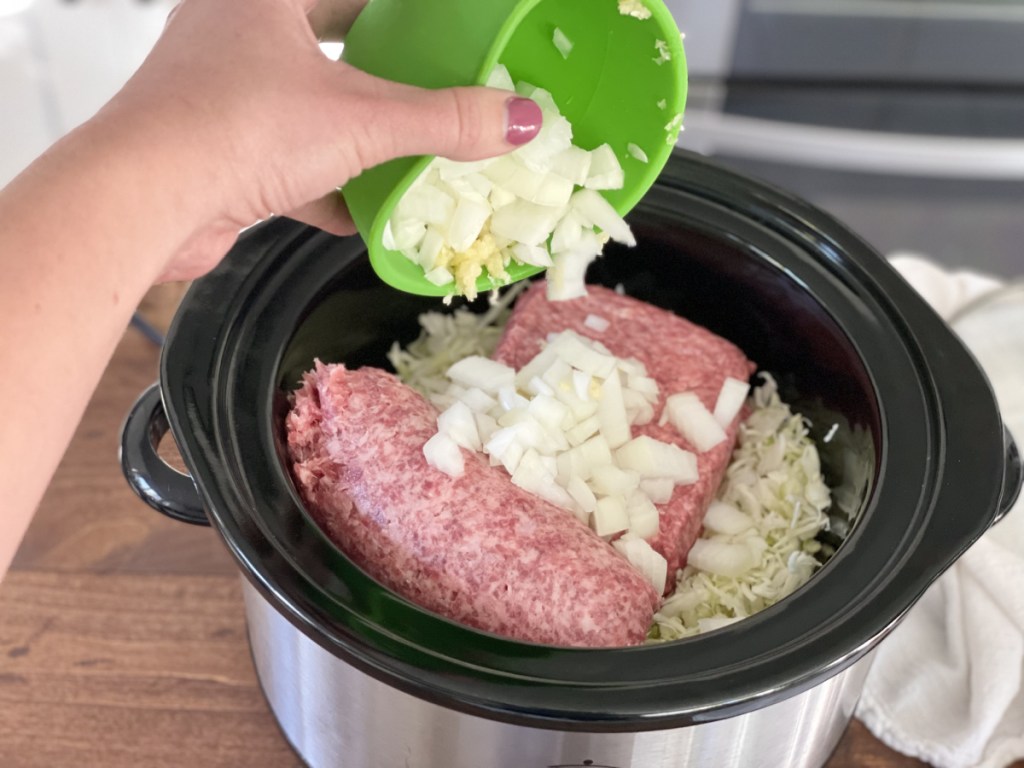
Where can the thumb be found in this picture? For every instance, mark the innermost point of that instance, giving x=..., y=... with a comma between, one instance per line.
x=470, y=123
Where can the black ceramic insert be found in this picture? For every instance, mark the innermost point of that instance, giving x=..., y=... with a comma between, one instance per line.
x=919, y=451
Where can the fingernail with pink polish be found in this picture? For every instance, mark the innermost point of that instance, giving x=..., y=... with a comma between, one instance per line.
x=522, y=120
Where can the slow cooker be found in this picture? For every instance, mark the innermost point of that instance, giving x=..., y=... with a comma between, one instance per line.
x=908, y=429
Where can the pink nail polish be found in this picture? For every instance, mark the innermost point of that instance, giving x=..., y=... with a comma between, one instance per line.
x=522, y=120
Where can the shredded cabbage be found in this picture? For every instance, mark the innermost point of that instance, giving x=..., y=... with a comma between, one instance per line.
x=775, y=479
x=445, y=338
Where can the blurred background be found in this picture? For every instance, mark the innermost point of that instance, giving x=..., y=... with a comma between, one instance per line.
x=903, y=118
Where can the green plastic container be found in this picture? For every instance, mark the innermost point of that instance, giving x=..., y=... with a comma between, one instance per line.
x=611, y=87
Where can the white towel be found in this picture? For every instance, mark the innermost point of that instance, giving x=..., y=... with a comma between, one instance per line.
x=947, y=686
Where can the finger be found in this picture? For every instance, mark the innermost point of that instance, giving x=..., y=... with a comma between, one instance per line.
x=171, y=13
x=328, y=213
x=459, y=123
x=332, y=19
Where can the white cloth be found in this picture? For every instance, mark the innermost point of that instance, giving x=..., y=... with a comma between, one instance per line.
x=947, y=686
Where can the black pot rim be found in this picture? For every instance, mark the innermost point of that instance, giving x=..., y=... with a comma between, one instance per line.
x=782, y=651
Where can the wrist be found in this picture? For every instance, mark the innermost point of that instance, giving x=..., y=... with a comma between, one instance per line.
x=167, y=173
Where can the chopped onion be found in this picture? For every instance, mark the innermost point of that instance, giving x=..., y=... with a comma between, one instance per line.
x=525, y=222
x=634, y=8
x=596, y=452
x=610, y=516
x=458, y=423
x=444, y=454
x=725, y=518
x=598, y=324
x=582, y=431
x=663, y=52
x=482, y=372
x=687, y=414
x=467, y=223
x=573, y=349
x=644, y=520
x=610, y=480
x=440, y=276
x=644, y=559
x=672, y=128
x=710, y=625
x=653, y=458
x=605, y=169
x=533, y=255
x=581, y=494
x=572, y=163
x=532, y=475
x=405, y=234
x=425, y=203
x=720, y=558
x=637, y=153
x=501, y=79
x=611, y=413
x=562, y=43
x=658, y=489
x=593, y=207
x=567, y=276
x=553, y=426
x=730, y=400
x=459, y=220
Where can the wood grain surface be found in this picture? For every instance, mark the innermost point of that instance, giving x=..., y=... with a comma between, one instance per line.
x=122, y=633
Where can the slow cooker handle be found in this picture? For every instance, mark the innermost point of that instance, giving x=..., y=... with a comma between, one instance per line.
x=1013, y=477
x=157, y=483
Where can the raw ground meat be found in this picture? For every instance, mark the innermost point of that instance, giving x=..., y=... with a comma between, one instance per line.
x=679, y=355
x=476, y=549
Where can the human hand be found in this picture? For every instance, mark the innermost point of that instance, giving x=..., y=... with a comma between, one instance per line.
x=245, y=97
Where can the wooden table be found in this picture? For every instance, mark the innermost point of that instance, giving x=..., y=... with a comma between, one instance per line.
x=122, y=633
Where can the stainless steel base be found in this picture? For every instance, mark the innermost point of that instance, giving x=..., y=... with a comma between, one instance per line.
x=338, y=717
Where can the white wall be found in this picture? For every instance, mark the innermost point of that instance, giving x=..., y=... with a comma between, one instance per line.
x=60, y=60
